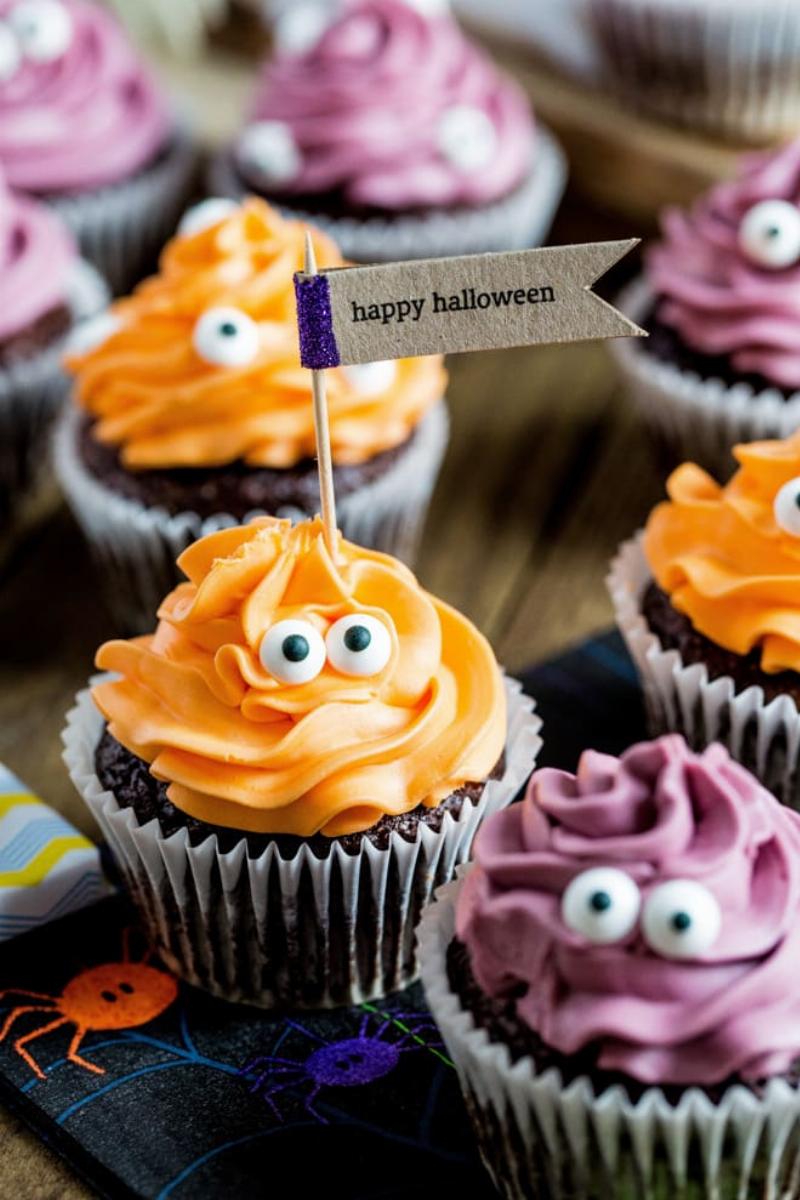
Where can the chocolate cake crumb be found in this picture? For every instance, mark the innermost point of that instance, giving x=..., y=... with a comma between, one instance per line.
x=39, y=335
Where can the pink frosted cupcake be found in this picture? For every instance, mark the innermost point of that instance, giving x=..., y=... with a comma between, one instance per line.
x=399, y=136
x=720, y=297
x=84, y=126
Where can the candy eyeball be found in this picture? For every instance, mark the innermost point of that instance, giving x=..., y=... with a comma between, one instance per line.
x=467, y=137
x=681, y=919
x=226, y=337
x=292, y=651
x=206, y=214
x=770, y=234
x=372, y=379
x=10, y=54
x=91, y=334
x=358, y=645
x=786, y=507
x=300, y=27
x=269, y=150
x=601, y=904
x=43, y=29
x=430, y=8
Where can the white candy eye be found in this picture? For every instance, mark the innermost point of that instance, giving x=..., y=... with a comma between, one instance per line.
x=269, y=150
x=786, y=507
x=43, y=29
x=292, y=651
x=430, y=8
x=10, y=54
x=205, y=214
x=358, y=645
x=300, y=27
x=371, y=379
x=601, y=904
x=89, y=335
x=226, y=337
x=770, y=234
x=681, y=919
x=467, y=137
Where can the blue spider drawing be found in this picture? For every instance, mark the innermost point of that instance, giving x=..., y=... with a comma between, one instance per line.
x=350, y=1062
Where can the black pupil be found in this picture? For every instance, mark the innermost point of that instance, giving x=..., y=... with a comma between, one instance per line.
x=797, y=499
x=600, y=902
x=295, y=648
x=228, y=329
x=357, y=638
x=773, y=232
x=681, y=922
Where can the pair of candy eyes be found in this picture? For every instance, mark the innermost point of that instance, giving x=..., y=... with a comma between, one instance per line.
x=769, y=234
x=294, y=651
x=679, y=919
x=37, y=30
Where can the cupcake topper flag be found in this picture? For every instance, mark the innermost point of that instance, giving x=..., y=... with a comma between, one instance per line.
x=321, y=429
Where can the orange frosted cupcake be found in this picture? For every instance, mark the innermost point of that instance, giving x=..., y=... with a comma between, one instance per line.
x=292, y=763
x=708, y=599
x=192, y=411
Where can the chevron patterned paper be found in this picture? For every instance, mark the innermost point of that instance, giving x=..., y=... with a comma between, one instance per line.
x=47, y=868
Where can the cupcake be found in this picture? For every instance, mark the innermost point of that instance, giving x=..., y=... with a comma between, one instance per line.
x=293, y=761
x=398, y=136
x=46, y=290
x=84, y=127
x=195, y=412
x=708, y=601
x=720, y=298
x=615, y=980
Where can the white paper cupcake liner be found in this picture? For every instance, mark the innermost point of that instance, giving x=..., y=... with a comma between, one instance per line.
x=699, y=420
x=542, y=1138
x=518, y=221
x=32, y=390
x=728, y=67
x=122, y=228
x=764, y=737
x=304, y=932
x=136, y=547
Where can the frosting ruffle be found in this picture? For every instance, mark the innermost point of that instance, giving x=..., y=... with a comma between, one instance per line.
x=155, y=397
x=242, y=750
x=364, y=107
x=90, y=117
x=718, y=300
x=658, y=813
x=724, y=560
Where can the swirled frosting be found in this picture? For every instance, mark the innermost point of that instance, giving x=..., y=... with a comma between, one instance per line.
x=658, y=813
x=720, y=301
x=365, y=106
x=243, y=750
x=36, y=256
x=164, y=405
x=89, y=117
x=724, y=560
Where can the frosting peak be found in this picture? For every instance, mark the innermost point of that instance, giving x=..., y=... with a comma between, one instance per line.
x=693, y=835
x=36, y=256
x=244, y=748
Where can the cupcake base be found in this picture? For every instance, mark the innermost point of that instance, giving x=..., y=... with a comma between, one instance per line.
x=304, y=931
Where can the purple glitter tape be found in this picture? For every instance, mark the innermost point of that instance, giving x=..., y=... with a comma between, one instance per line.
x=318, y=349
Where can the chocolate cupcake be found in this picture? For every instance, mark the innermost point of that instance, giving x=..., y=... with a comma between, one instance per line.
x=615, y=981
x=84, y=127
x=720, y=297
x=398, y=136
x=293, y=761
x=708, y=600
x=194, y=412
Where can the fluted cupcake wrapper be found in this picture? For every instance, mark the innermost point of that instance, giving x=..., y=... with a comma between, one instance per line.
x=123, y=227
x=306, y=932
x=680, y=697
x=729, y=68
x=136, y=547
x=32, y=390
x=518, y=221
x=699, y=420
x=541, y=1137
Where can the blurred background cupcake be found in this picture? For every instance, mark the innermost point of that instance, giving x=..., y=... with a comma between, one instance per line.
x=387, y=126
x=84, y=126
x=194, y=411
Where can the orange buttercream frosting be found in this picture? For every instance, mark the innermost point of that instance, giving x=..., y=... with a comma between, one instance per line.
x=156, y=397
x=728, y=556
x=242, y=749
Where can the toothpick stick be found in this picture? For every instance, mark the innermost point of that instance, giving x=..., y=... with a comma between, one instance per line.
x=322, y=432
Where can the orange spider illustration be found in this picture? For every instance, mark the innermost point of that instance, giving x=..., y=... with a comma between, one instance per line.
x=119, y=995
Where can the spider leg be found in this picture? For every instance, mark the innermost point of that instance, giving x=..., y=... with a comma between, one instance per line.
x=268, y=1096
x=256, y=1086
x=17, y=1012
x=74, y=1057
x=30, y=1037
x=270, y=1060
x=27, y=993
x=309, y=1106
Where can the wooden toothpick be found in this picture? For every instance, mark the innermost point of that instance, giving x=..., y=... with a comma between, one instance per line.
x=322, y=433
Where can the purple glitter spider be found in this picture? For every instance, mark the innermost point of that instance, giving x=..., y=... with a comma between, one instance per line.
x=351, y=1062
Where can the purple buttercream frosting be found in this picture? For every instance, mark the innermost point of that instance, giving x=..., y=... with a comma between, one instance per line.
x=658, y=814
